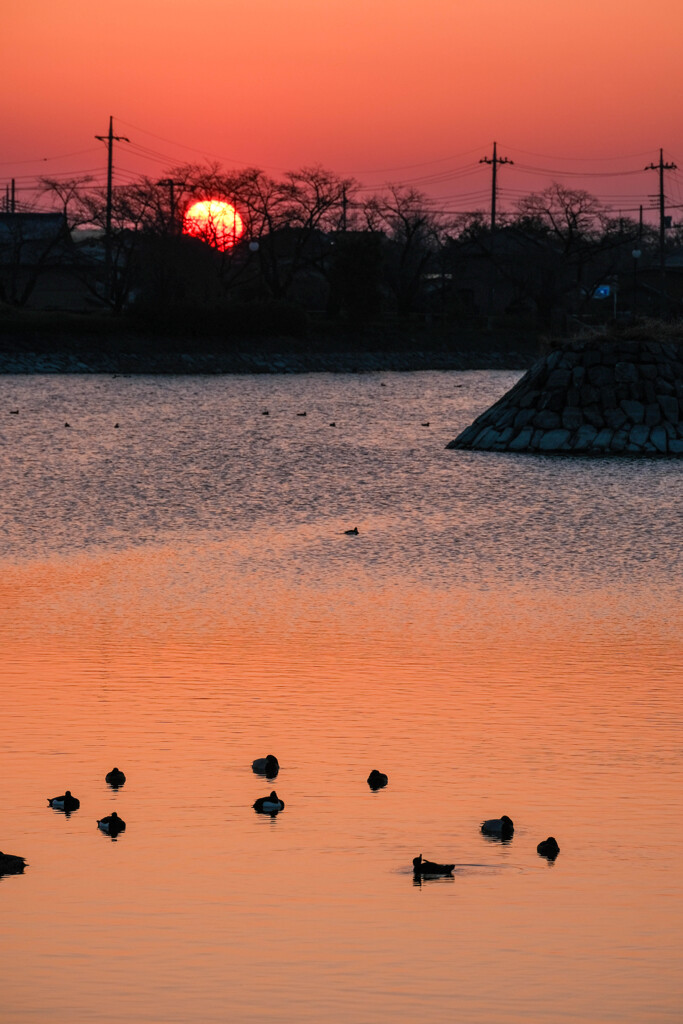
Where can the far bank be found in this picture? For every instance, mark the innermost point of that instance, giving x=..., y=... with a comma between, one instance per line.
x=63, y=343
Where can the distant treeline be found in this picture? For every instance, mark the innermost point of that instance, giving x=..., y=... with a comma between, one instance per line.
x=314, y=244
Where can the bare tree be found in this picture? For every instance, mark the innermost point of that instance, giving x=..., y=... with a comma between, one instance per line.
x=413, y=232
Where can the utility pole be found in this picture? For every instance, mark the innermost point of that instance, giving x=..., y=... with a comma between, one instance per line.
x=637, y=253
x=493, y=161
x=109, y=140
x=13, y=201
x=170, y=184
x=345, y=205
x=661, y=167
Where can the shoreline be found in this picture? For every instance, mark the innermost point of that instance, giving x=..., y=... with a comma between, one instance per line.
x=29, y=352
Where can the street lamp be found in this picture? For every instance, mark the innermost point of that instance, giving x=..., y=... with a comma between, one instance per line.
x=636, y=256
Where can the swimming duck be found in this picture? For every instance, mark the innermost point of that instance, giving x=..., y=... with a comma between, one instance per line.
x=115, y=778
x=112, y=824
x=352, y=533
x=10, y=864
x=548, y=848
x=67, y=802
x=501, y=827
x=377, y=780
x=269, y=804
x=428, y=867
x=267, y=765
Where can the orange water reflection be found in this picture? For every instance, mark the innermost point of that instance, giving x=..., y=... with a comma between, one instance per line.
x=563, y=712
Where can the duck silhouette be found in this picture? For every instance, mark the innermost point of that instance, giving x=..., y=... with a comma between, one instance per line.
x=548, y=848
x=115, y=778
x=269, y=804
x=429, y=867
x=377, y=780
x=352, y=533
x=112, y=824
x=10, y=864
x=501, y=828
x=267, y=765
x=66, y=803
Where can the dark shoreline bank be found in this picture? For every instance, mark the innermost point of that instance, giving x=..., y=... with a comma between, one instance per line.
x=124, y=351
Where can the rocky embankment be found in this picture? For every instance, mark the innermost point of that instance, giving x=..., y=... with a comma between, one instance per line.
x=600, y=396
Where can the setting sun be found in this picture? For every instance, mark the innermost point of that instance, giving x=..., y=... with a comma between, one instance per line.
x=216, y=222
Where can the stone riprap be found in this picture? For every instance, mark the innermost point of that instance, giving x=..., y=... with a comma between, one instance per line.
x=597, y=396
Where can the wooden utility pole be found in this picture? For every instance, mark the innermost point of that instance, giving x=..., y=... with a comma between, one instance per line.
x=493, y=161
x=170, y=184
x=109, y=140
x=661, y=167
x=345, y=205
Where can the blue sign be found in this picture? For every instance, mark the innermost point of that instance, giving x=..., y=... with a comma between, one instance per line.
x=603, y=291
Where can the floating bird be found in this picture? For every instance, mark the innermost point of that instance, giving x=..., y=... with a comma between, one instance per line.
x=428, y=867
x=500, y=827
x=333, y=424
x=116, y=426
x=426, y=424
x=377, y=780
x=301, y=414
x=14, y=412
x=112, y=824
x=66, y=803
x=265, y=412
x=548, y=848
x=267, y=765
x=10, y=864
x=269, y=804
x=352, y=533
x=115, y=778
x=67, y=424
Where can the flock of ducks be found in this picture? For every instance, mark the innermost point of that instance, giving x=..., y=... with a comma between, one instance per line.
x=499, y=828
x=112, y=825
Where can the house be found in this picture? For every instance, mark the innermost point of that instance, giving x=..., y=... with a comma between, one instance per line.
x=37, y=262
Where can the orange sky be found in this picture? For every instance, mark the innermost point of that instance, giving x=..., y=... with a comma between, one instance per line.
x=364, y=87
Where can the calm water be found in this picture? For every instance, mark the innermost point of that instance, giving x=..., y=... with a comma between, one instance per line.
x=503, y=636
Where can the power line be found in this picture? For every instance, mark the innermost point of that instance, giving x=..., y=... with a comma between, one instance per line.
x=579, y=159
x=45, y=159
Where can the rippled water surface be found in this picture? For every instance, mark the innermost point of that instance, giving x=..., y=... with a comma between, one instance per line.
x=502, y=637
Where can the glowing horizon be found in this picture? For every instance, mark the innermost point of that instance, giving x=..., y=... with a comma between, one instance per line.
x=390, y=92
